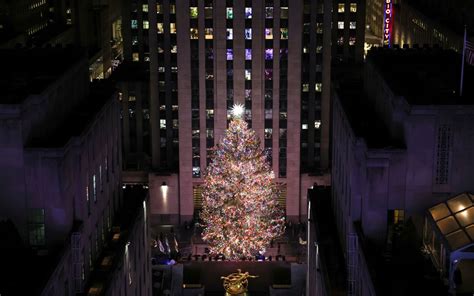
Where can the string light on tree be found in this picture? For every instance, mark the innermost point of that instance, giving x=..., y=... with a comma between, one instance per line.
x=240, y=211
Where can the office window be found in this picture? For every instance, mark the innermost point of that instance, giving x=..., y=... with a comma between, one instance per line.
x=340, y=25
x=248, y=12
x=36, y=229
x=172, y=28
x=209, y=133
x=146, y=24
x=160, y=28
x=248, y=53
x=268, y=74
x=268, y=12
x=208, y=12
x=248, y=94
x=352, y=25
x=230, y=34
x=174, y=49
x=94, y=188
x=196, y=172
x=268, y=113
x=284, y=12
x=353, y=7
x=340, y=7
x=159, y=8
x=352, y=40
x=229, y=13
x=145, y=7
x=134, y=24
x=318, y=87
x=317, y=124
x=283, y=33
x=172, y=9
x=304, y=126
x=268, y=33
x=193, y=32
x=209, y=113
x=163, y=124
x=193, y=12
x=305, y=87
x=248, y=74
x=230, y=54
x=269, y=54
x=208, y=33
x=268, y=133
x=248, y=34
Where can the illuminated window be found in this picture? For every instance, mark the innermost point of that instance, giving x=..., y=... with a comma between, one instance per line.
x=208, y=33
x=268, y=33
x=193, y=32
x=174, y=49
x=134, y=24
x=161, y=69
x=135, y=57
x=160, y=28
x=318, y=87
x=268, y=133
x=352, y=40
x=304, y=126
x=160, y=49
x=340, y=40
x=248, y=54
x=268, y=12
x=172, y=9
x=353, y=7
x=209, y=133
x=317, y=124
x=352, y=25
x=340, y=7
x=172, y=28
x=283, y=33
x=193, y=12
x=146, y=24
x=305, y=87
x=209, y=113
x=145, y=7
x=268, y=54
x=230, y=34
x=248, y=34
x=162, y=123
x=230, y=54
x=195, y=134
x=340, y=25
x=196, y=172
x=208, y=12
x=229, y=13
x=284, y=12
x=132, y=98
x=159, y=8
x=248, y=12
x=248, y=74
x=319, y=49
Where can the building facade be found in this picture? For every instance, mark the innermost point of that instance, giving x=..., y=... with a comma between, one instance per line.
x=62, y=177
x=400, y=145
x=205, y=56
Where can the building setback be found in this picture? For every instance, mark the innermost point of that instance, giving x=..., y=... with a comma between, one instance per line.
x=204, y=56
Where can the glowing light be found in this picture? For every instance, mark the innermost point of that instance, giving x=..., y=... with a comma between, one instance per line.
x=238, y=110
x=240, y=209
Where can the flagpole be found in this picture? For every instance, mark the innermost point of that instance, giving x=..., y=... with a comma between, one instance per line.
x=462, y=61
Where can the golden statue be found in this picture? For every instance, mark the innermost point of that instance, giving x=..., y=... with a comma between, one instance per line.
x=236, y=283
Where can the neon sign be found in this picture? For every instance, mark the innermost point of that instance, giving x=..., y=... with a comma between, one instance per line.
x=387, y=23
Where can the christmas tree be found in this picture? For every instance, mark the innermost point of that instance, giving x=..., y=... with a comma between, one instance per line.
x=240, y=208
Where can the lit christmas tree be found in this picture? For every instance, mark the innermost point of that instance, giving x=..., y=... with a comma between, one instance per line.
x=240, y=208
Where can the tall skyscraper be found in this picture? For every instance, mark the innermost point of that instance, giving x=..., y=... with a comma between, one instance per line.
x=272, y=56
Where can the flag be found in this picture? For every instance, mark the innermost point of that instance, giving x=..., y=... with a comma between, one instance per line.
x=469, y=52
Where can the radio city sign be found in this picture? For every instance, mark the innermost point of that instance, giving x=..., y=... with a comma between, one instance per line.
x=387, y=22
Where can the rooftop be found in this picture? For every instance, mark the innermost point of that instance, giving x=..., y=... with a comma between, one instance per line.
x=363, y=118
x=27, y=71
x=424, y=76
x=79, y=118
